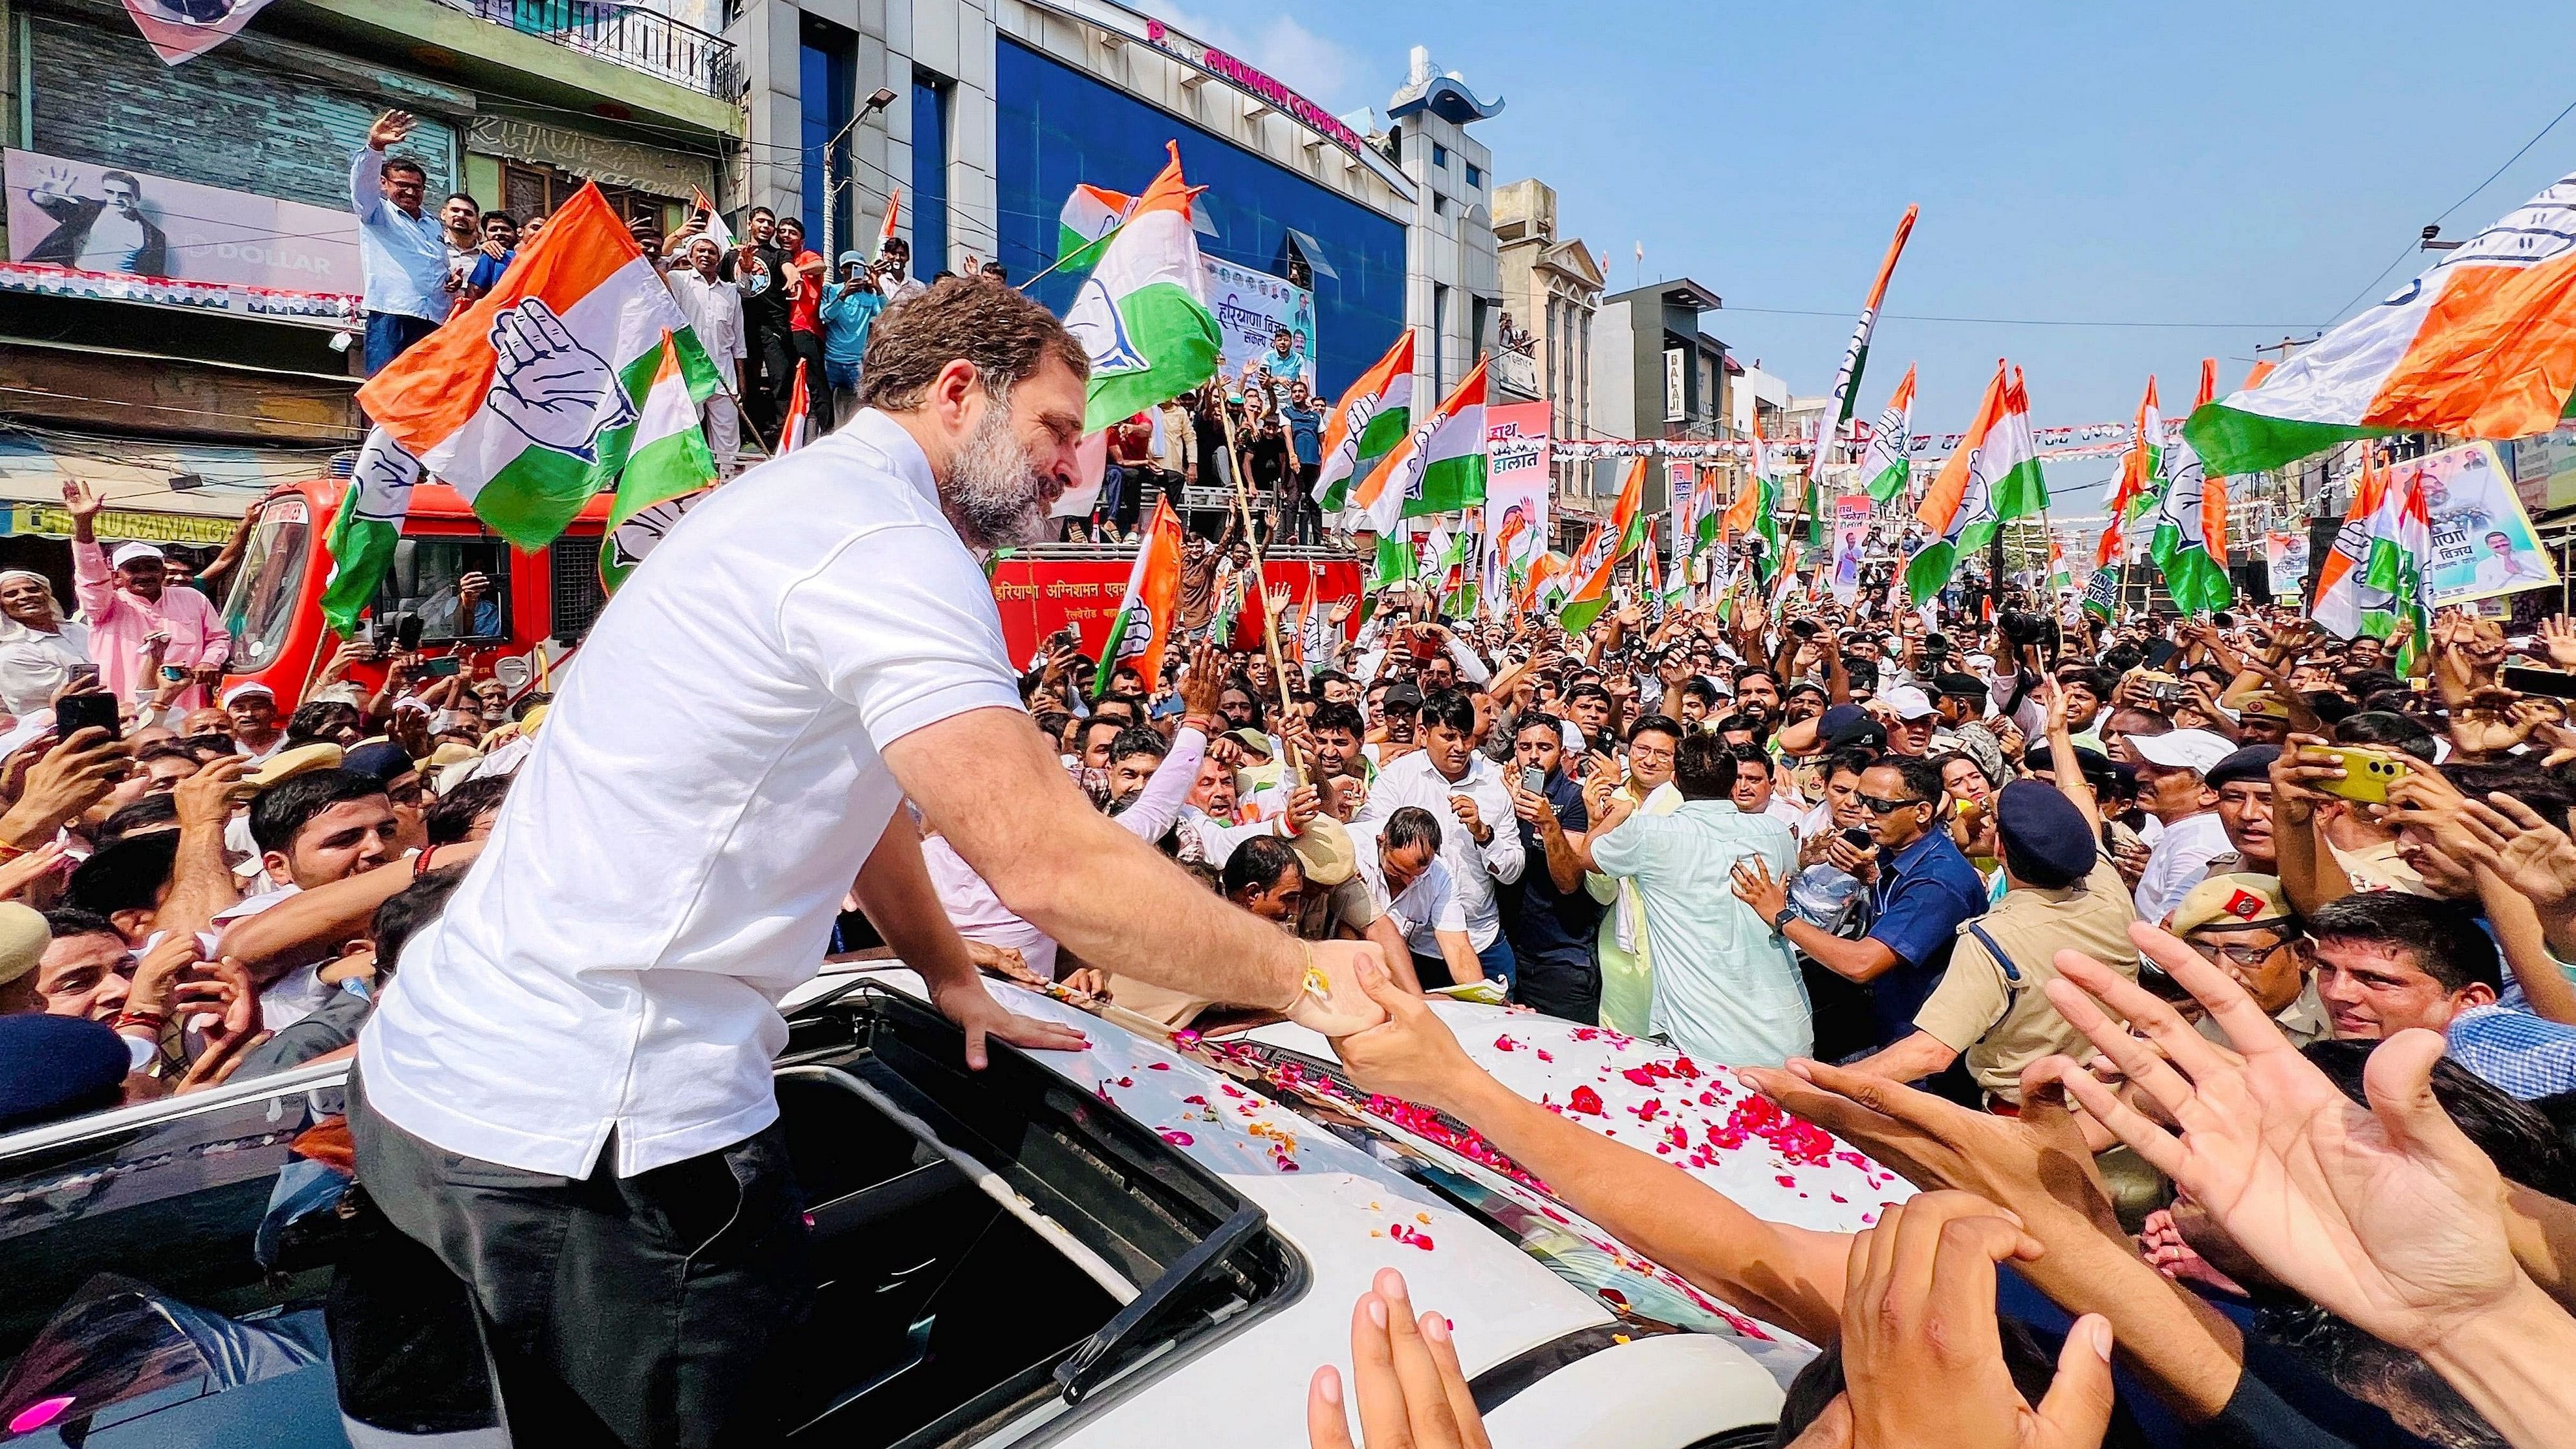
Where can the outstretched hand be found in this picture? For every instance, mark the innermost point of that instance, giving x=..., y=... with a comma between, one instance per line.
x=973, y=1008
x=1412, y=1390
x=2388, y=1216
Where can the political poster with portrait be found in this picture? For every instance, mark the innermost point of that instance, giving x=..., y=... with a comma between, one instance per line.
x=2285, y=556
x=1251, y=309
x=241, y=252
x=2483, y=544
x=1851, y=543
x=1516, y=489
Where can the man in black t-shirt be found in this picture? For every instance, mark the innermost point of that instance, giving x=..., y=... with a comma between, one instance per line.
x=756, y=267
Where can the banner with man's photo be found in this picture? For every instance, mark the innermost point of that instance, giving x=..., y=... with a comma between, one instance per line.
x=2483, y=544
x=81, y=229
x=1516, y=489
x=2285, y=558
x=1250, y=308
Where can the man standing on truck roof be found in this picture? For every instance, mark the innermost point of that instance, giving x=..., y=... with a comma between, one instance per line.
x=568, y=1096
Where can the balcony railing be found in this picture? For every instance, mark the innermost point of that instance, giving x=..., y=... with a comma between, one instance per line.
x=641, y=40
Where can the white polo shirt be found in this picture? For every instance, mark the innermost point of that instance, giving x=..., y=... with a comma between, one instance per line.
x=1473, y=869
x=670, y=858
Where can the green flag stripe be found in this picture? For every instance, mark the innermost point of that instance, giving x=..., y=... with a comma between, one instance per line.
x=1180, y=342
x=2231, y=441
x=1930, y=570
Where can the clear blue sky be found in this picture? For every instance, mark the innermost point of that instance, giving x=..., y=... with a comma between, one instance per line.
x=2250, y=166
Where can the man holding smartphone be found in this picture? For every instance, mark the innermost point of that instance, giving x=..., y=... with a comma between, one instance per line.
x=125, y=599
x=1548, y=916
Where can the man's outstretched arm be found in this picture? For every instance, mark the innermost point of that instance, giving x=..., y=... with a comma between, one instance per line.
x=1020, y=821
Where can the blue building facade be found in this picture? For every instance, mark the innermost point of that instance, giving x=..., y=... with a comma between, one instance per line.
x=1056, y=128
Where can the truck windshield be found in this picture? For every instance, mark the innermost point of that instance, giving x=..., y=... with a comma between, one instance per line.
x=269, y=583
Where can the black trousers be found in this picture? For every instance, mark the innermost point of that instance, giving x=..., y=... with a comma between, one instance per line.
x=1307, y=524
x=645, y=1310
x=808, y=348
x=773, y=367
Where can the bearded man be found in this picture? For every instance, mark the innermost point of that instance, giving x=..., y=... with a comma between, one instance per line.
x=579, y=1055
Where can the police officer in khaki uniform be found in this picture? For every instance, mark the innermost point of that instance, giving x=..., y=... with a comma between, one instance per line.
x=2063, y=893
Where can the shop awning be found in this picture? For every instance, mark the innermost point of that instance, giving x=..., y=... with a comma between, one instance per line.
x=157, y=492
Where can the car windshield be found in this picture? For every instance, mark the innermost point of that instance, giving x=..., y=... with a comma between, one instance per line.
x=990, y=1249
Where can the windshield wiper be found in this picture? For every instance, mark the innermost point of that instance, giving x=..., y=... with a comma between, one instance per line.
x=1084, y=1368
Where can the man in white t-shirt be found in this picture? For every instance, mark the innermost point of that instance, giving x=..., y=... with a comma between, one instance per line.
x=2173, y=785
x=1399, y=858
x=576, y=1056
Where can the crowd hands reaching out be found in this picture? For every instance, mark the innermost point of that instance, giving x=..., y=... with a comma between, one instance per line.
x=202, y=891
x=2286, y=1143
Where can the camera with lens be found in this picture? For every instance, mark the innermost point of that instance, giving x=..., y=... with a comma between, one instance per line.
x=2025, y=629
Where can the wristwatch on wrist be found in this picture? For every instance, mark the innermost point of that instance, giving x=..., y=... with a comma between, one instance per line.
x=1780, y=922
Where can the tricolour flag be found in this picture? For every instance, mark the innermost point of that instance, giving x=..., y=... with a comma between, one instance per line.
x=1587, y=581
x=2140, y=466
x=1398, y=560
x=1439, y=467
x=1546, y=577
x=670, y=458
x=1150, y=609
x=1371, y=418
x=2060, y=577
x=1084, y=226
x=2479, y=346
x=1756, y=511
x=1886, y=465
x=526, y=403
x=1139, y=314
x=894, y=213
x=2188, y=522
x=1628, y=512
x=2373, y=580
x=1993, y=476
x=1706, y=509
x=1845, y=395
x=716, y=230
x=796, y=429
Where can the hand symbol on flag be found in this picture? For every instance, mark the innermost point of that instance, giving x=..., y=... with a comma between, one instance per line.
x=381, y=484
x=551, y=387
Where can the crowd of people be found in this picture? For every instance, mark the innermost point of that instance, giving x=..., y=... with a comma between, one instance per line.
x=1794, y=835
x=2211, y=975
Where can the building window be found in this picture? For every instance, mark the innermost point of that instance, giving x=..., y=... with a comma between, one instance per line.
x=1439, y=204
x=531, y=191
x=1475, y=175
x=1439, y=156
x=827, y=84
x=929, y=174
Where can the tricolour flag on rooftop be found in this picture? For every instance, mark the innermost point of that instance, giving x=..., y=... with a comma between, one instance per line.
x=1366, y=424
x=1439, y=467
x=1139, y=314
x=2372, y=582
x=527, y=403
x=1150, y=609
x=1887, y=464
x=1090, y=214
x=2481, y=345
x=1994, y=475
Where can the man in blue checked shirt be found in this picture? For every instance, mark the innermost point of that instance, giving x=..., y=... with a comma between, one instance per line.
x=403, y=246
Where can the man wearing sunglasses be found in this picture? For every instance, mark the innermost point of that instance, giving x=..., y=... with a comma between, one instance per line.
x=1922, y=889
x=2244, y=925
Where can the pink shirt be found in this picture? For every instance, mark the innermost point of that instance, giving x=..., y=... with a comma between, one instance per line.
x=119, y=620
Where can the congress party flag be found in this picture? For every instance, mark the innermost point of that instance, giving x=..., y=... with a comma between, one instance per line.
x=1398, y=560
x=894, y=213
x=2482, y=345
x=1439, y=467
x=1628, y=512
x=1706, y=510
x=1139, y=314
x=1587, y=581
x=669, y=459
x=701, y=204
x=527, y=403
x=1149, y=610
x=2373, y=581
x=1994, y=476
x=2141, y=465
x=1371, y=418
x=1846, y=389
x=1886, y=464
x=1083, y=227
x=2188, y=522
